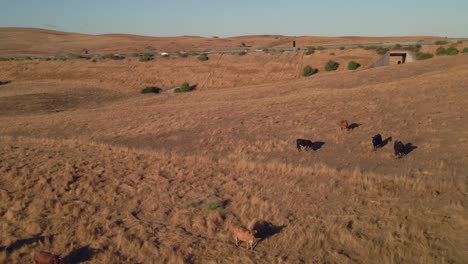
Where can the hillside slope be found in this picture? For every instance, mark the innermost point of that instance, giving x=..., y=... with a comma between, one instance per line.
x=99, y=172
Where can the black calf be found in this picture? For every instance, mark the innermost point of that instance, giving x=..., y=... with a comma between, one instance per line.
x=305, y=143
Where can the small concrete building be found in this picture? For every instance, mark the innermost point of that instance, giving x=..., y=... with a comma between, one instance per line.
x=395, y=57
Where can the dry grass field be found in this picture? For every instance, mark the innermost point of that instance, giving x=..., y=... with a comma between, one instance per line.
x=96, y=172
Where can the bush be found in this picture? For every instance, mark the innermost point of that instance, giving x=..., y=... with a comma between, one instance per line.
x=320, y=48
x=310, y=50
x=185, y=87
x=332, y=53
x=382, y=51
x=4, y=82
x=112, y=56
x=203, y=57
x=308, y=71
x=397, y=47
x=332, y=65
x=352, y=65
x=151, y=90
x=465, y=50
x=441, y=42
x=423, y=56
x=242, y=53
x=460, y=42
x=452, y=51
x=449, y=51
x=342, y=48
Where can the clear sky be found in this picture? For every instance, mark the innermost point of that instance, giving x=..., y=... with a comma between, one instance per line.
x=241, y=17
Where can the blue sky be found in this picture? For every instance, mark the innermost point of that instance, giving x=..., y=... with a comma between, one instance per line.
x=241, y=17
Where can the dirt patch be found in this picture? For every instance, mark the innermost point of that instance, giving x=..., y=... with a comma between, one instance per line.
x=40, y=103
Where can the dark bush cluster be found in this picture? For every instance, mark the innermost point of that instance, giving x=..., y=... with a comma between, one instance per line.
x=352, y=65
x=308, y=71
x=151, y=90
x=441, y=42
x=203, y=57
x=446, y=51
x=423, y=55
x=465, y=50
x=332, y=65
x=320, y=48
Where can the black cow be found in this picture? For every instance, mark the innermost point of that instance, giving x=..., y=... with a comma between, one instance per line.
x=377, y=141
x=399, y=148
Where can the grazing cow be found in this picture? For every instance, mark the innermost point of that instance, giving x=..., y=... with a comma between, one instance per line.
x=245, y=235
x=399, y=149
x=377, y=141
x=343, y=124
x=44, y=257
x=307, y=144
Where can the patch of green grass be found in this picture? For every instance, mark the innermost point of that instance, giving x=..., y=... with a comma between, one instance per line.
x=423, y=56
x=352, y=65
x=309, y=71
x=215, y=206
x=195, y=204
x=332, y=65
x=465, y=50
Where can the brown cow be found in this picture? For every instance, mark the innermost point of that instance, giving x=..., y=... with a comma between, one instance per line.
x=343, y=124
x=245, y=235
x=44, y=257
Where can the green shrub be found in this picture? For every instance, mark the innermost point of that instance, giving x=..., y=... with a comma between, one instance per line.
x=310, y=50
x=308, y=71
x=370, y=48
x=423, y=56
x=203, y=57
x=452, y=51
x=465, y=50
x=320, y=48
x=397, y=47
x=441, y=42
x=151, y=90
x=185, y=87
x=332, y=65
x=352, y=65
x=382, y=51
x=112, y=56
x=448, y=51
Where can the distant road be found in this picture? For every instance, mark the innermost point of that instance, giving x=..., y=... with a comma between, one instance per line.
x=237, y=51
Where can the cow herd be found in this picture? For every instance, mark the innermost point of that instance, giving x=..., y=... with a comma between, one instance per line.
x=399, y=148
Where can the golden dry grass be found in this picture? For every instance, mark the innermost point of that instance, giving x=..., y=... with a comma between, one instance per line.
x=94, y=171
